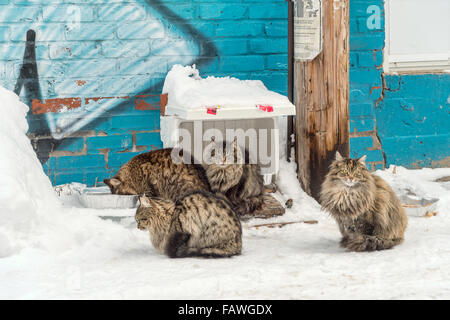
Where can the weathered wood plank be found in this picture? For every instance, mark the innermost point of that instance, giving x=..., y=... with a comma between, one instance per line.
x=322, y=97
x=270, y=208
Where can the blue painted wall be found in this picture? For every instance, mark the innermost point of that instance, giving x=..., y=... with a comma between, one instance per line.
x=92, y=71
x=394, y=119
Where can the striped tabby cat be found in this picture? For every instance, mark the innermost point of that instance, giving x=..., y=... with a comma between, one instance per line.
x=231, y=174
x=198, y=224
x=369, y=214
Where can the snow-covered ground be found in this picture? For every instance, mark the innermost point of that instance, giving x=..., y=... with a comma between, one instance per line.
x=51, y=247
x=107, y=258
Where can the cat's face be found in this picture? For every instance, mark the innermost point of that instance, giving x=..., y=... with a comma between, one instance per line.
x=119, y=187
x=224, y=165
x=151, y=208
x=350, y=173
x=223, y=154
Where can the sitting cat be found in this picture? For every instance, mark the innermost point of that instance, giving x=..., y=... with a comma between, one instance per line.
x=199, y=224
x=156, y=174
x=231, y=174
x=369, y=214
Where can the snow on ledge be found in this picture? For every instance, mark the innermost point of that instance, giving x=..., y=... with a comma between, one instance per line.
x=188, y=91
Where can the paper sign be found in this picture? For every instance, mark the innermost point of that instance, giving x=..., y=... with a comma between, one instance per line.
x=307, y=29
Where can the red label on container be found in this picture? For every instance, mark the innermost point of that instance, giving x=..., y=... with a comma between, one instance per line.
x=212, y=111
x=266, y=108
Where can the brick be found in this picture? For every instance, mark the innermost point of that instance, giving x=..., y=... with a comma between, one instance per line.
x=76, y=162
x=240, y=29
x=361, y=109
x=150, y=139
x=116, y=49
x=90, y=68
x=374, y=155
x=353, y=26
x=44, y=32
x=151, y=65
x=364, y=28
x=121, y=12
x=223, y=11
x=59, y=178
x=421, y=150
x=72, y=50
x=149, y=29
x=359, y=8
x=367, y=42
x=90, y=31
x=361, y=125
x=241, y=63
x=19, y=13
x=359, y=93
x=207, y=27
x=370, y=59
x=207, y=65
x=369, y=76
x=72, y=13
x=228, y=47
x=147, y=121
x=71, y=144
x=276, y=81
x=353, y=60
x=4, y=33
x=119, y=142
x=89, y=87
x=116, y=160
x=268, y=11
x=359, y=146
x=277, y=62
x=177, y=10
x=268, y=45
x=276, y=29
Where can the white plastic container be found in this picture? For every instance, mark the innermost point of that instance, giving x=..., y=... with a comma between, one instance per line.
x=197, y=121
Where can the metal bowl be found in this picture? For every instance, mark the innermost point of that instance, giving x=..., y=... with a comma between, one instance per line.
x=418, y=207
x=101, y=198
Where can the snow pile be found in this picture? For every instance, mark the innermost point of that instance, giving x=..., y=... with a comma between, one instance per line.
x=32, y=218
x=25, y=191
x=187, y=89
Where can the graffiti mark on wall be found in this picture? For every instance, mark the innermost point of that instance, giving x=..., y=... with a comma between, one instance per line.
x=97, y=67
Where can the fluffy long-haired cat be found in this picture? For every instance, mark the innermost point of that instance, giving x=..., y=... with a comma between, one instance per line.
x=199, y=224
x=231, y=173
x=156, y=174
x=369, y=214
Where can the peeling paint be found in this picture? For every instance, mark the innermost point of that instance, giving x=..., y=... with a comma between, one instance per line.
x=54, y=105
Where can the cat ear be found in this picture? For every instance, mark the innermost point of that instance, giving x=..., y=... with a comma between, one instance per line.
x=145, y=202
x=114, y=182
x=362, y=160
x=338, y=156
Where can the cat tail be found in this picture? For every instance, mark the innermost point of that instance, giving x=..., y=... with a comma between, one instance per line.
x=363, y=242
x=177, y=245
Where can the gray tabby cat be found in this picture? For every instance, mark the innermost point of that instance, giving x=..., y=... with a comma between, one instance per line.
x=231, y=174
x=369, y=214
x=199, y=224
x=155, y=174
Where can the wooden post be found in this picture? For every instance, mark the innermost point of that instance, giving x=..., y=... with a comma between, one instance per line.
x=290, y=82
x=322, y=98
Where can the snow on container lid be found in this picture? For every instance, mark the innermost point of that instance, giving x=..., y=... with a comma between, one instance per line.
x=193, y=97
